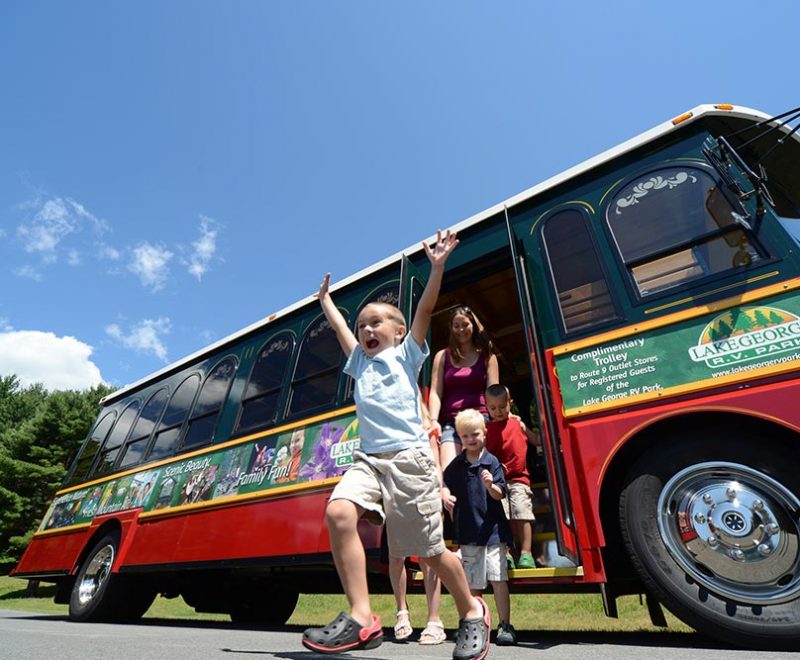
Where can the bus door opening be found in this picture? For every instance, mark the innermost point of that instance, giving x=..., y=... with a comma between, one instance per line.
x=488, y=287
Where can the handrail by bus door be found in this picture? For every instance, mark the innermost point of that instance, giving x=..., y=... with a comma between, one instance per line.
x=554, y=465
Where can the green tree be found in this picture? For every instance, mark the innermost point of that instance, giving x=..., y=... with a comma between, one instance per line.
x=17, y=404
x=759, y=319
x=40, y=433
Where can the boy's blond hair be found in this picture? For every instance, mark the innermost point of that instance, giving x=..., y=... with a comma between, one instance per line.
x=468, y=420
x=394, y=313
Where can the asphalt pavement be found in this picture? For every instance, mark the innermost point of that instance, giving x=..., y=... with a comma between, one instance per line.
x=29, y=636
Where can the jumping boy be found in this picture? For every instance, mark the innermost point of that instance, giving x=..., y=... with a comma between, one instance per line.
x=475, y=488
x=508, y=439
x=393, y=476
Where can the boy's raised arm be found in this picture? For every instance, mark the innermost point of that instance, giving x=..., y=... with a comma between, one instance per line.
x=347, y=339
x=437, y=255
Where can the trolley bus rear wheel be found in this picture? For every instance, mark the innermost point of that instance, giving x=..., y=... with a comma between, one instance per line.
x=713, y=529
x=273, y=607
x=100, y=595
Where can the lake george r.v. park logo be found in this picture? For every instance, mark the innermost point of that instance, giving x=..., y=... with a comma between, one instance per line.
x=745, y=334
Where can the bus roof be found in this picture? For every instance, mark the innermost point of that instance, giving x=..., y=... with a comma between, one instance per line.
x=646, y=137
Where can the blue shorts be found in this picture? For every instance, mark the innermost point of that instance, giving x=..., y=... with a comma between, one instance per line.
x=449, y=435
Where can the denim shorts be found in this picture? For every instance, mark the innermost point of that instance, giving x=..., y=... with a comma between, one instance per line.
x=449, y=435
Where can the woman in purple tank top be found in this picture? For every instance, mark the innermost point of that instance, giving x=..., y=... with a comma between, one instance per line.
x=461, y=374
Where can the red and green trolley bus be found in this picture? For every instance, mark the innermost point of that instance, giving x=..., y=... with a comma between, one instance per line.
x=645, y=308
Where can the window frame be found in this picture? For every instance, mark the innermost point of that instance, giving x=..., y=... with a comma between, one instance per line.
x=626, y=266
x=70, y=480
x=149, y=455
x=294, y=380
x=129, y=440
x=555, y=303
x=105, y=449
x=190, y=418
x=280, y=389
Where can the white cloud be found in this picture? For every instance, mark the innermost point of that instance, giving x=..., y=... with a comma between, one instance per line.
x=151, y=264
x=108, y=253
x=28, y=271
x=203, y=248
x=145, y=337
x=74, y=258
x=52, y=223
x=59, y=363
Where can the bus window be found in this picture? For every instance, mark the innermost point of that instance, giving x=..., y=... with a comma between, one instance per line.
x=108, y=455
x=260, y=401
x=143, y=429
x=674, y=225
x=84, y=462
x=206, y=409
x=169, y=429
x=316, y=375
x=584, y=298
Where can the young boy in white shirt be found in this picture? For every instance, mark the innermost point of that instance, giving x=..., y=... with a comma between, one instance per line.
x=393, y=477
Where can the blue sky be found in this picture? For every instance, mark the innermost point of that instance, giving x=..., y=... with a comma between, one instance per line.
x=171, y=172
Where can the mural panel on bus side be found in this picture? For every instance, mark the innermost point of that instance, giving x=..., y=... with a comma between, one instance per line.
x=726, y=344
x=304, y=455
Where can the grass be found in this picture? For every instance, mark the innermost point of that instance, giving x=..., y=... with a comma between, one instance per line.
x=561, y=612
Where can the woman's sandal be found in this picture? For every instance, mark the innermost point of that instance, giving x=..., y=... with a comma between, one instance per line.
x=432, y=634
x=344, y=633
x=402, y=629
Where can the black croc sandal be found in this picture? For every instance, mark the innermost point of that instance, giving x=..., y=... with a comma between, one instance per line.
x=344, y=633
x=472, y=638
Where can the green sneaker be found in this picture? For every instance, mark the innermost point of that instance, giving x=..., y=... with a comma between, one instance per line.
x=526, y=560
x=506, y=635
x=510, y=562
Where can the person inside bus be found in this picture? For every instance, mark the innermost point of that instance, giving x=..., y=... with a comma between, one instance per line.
x=461, y=374
x=433, y=633
x=508, y=438
x=393, y=476
x=474, y=487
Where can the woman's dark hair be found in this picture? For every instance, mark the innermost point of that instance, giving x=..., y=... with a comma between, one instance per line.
x=479, y=337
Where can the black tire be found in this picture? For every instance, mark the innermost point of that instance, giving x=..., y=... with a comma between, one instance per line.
x=100, y=595
x=712, y=528
x=273, y=607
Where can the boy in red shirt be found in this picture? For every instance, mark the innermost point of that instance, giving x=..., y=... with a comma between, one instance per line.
x=508, y=439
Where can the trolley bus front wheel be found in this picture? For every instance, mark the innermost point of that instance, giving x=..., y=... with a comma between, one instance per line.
x=100, y=595
x=713, y=529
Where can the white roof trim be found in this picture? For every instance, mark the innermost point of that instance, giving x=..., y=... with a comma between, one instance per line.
x=629, y=145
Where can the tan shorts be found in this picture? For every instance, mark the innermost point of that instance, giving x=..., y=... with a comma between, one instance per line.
x=518, y=502
x=484, y=563
x=401, y=488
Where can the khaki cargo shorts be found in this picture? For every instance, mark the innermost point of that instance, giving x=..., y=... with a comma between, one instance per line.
x=401, y=488
x=518, y=503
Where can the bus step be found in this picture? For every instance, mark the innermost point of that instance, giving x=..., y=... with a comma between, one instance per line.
x=528, y=573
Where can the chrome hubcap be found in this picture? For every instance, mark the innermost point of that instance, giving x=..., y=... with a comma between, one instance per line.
x=96, y=574
x=734, y=530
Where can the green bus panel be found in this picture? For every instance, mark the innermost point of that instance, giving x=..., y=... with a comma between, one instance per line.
x=734, y=341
